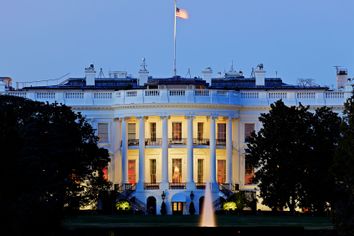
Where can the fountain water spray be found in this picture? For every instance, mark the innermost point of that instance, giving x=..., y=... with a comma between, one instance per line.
x=208, y=217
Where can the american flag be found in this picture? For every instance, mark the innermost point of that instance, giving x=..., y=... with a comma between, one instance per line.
x=181, y=13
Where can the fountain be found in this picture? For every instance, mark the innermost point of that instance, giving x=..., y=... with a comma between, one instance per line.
x=208, y=217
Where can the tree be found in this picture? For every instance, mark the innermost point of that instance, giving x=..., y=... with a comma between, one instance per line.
x=343, y=171
x=51, y=162
x=317, y=184
x=276, y=152
x=294, y=152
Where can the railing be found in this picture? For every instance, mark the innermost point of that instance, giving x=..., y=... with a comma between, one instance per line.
x=201, y=92
x=153, y=142
x=45, y=95
x=152, y=93
x=128, y=186
x=178, y=92
x=74, y=95
x=221, y=142
x=200, y=185
x=185, y=96
x=151, y=186
x=204, y=141
x=133, y=142
x=177, y=185
x=102, y=95
x=182, y=141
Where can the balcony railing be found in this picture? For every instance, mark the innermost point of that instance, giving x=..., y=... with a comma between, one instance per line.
x=203, y=141
x=133, y=142
x=151, y=186
x=221, y=142
x=177, y=186
x=182, y=141
x=153, y=142
x=189, y=96
x=200, y=185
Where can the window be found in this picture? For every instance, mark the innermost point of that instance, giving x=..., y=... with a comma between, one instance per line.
x=200, y=170
x=200, y=130
x=131, y=131
x=249, y=173
x=103, y=132
x=176, y=131
x=221, y=135
x=249, y=128
x=131, y=172
x=221, y=171
x=153, y=171
x=176, y=171
x=153, y=132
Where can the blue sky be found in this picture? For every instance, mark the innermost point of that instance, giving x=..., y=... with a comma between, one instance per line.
x=45, y=39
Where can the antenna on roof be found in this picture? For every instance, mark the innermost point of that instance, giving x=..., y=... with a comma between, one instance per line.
x=101, y=74
x=189, y=73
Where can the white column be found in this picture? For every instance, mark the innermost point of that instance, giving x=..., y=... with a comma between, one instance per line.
x=229, y=151
x=124, y=151
x=140, y=185
x=164, y=179
x=212, y=151
x=190, y=179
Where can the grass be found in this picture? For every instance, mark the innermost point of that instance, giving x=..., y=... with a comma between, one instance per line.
x=122, y=221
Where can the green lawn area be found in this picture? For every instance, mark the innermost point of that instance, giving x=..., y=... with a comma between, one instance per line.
x=119, y=221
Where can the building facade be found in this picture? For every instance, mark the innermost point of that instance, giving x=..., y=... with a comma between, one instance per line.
x=169, y=137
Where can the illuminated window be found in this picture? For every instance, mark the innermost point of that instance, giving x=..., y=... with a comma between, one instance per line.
x=200, y=170
x=249, y=173
x=153, y=132
x=200, y=130
x=131, y=131
x=221, y=134
x=177, y=131
x=131, y=171
x=176, y=170
x=103, y=132
x=249, y=128
x=153, y=171
x=221, y=171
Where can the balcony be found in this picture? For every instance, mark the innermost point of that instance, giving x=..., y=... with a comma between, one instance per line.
x=153, y=142
x=151, y=186
x=221, y=142
x=204, y=141
x=133, y=142
x=177, y=186
x=182, y=141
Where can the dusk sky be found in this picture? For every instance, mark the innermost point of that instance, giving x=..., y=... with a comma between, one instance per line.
x=46, y=39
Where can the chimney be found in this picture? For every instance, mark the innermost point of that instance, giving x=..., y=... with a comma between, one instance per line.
x=260, y=75
x=341, y=78
x=90, y=75
x=143, y=73
x=207, y=74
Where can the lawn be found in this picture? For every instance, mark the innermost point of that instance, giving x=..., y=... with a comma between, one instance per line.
x=121, y=221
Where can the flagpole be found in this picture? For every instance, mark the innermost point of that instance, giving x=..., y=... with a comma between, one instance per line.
x=174, y=38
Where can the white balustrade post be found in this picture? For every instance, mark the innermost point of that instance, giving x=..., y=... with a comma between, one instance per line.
x=141, y=182
x=190, y=160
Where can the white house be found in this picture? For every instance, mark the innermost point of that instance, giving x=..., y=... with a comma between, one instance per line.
x=168, y=137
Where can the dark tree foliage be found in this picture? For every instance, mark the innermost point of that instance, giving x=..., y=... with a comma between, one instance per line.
x=50, y=162
x=317, y=183
x=293, y=153
x=343, y=171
